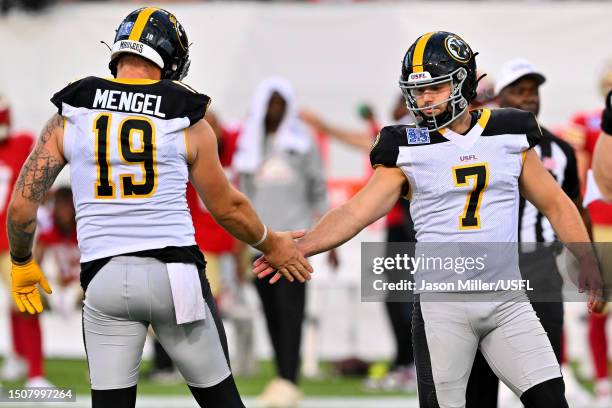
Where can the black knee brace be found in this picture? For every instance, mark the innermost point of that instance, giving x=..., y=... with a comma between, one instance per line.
x=223, y=395
x=549, y=394
x=118, y=398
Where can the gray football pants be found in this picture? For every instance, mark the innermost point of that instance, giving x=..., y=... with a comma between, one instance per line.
x=126, y=296
x=508, y=333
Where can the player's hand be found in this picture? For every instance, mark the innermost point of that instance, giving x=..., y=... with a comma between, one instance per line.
x=284, y=258
x=25, y=279
x=590, y=280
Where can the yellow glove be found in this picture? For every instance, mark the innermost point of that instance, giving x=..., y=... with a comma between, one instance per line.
x=24, y=289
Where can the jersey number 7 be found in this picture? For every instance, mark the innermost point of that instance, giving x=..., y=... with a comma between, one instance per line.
x=470, y=219
x=144, y=156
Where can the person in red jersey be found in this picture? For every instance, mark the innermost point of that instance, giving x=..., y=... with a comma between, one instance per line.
x=225, y=262
x=57, y=242
x=399, y=228
x=584, y=132
x=26, y=334
x=212, y=239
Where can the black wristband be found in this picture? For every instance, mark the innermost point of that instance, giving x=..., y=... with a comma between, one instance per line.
x=21, y=259
x=606, y=116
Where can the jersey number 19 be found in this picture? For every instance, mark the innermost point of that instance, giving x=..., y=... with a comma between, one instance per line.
x=143, y=155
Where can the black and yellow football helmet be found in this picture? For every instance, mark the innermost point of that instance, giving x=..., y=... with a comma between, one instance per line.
x=156, y=35
x=436, y=58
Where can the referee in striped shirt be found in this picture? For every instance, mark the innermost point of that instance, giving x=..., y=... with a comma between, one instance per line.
x=517, y=87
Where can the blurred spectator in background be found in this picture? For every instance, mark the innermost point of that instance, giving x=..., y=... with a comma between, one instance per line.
x=25, y=329
x=225, y=257
x=584, y=132
x=400, y=376
x=28, y=5
x=517, y=86
x=485, y=93
x=57, y=244
x=225, y=271
x=213, y=240
x=280, y=171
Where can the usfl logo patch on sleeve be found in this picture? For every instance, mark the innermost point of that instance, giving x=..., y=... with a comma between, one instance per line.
x=417, y=135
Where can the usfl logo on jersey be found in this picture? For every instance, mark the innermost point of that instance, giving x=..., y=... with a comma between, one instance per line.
x=417, y=135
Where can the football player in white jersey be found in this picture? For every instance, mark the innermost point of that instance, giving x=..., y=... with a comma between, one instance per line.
x=133, y=142
x=463, y=172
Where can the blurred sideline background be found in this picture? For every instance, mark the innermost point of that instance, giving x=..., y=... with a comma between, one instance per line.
x=337, y=55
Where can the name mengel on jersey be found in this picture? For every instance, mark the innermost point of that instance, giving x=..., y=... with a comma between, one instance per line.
x=135, y=102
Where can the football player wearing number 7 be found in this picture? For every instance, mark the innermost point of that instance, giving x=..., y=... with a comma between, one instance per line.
x=463, y=171
x=133, y=142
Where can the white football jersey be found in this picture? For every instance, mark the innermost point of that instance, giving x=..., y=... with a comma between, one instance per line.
x=125, y=141
x=462, y=187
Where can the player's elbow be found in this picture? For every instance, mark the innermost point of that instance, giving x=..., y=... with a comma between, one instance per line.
x=560, y=207
x=226, y=211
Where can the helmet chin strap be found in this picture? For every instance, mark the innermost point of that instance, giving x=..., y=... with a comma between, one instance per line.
x=433, y=121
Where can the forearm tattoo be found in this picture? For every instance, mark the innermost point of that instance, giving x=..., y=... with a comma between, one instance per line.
x=41, y=168
x=36, y=177
x=21, y=236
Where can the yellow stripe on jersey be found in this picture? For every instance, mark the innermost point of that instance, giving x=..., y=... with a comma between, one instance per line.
x=133, y=81
x=419, y=51
x=141, y=22
x=185, y=86
x=484, y=118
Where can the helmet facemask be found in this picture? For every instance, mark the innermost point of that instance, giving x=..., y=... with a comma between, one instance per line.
x=456, y=102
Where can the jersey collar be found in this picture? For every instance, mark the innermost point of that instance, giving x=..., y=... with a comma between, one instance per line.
x=468, y=140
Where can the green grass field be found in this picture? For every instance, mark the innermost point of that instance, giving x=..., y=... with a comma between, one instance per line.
x=73, y=374
x=66, y=373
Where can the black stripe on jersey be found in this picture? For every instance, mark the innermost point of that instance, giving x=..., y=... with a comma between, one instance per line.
x=545, y=147
x=164, y=99
x=571, y=183
x=545, y=152
x=513, y=121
